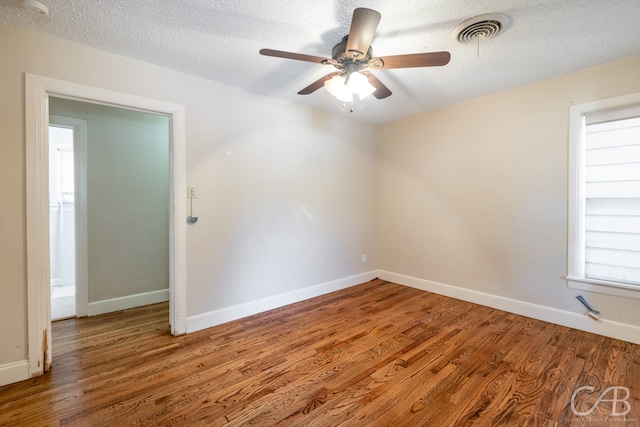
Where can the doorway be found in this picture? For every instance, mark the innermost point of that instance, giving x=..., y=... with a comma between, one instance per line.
x=123, y=199
x=38, y=89
x=62, y=222
x=68, y=232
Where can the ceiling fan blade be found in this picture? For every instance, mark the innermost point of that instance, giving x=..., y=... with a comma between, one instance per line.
x=291, y=55
x=381, y=90
x=428, y=59
x=317, y=84
x=363, y=27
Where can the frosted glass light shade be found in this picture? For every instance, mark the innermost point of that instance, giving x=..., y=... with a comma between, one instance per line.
x=358, y=83
x=338, y=88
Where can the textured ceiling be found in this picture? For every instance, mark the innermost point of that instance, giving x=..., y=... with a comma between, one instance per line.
x=220, y=40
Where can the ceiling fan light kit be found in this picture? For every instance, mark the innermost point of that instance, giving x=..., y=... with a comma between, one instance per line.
x=359, y=84
x=345, y=87
x=336, y=86
x=353, y=55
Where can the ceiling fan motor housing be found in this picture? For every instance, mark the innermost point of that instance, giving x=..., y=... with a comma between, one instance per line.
x=339, y=51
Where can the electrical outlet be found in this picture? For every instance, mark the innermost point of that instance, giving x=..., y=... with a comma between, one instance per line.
x=191, y=192
x=364, y=258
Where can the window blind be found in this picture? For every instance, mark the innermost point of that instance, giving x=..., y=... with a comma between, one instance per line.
x=612, y=196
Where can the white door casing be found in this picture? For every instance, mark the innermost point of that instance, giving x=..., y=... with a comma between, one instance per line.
x=37, y=92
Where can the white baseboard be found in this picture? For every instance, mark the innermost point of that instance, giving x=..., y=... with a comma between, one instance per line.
x=608, y=328
x=130, y=301
x=227, y=314
x=14, y=372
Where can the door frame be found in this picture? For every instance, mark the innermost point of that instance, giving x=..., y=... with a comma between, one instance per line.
x=37, y=92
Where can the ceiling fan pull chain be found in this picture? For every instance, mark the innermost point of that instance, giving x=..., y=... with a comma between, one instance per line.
x=344, y=107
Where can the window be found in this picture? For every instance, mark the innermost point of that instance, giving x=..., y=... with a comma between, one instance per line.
x=604, y=197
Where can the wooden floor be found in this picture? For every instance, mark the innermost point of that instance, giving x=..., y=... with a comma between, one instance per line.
x=377, y=354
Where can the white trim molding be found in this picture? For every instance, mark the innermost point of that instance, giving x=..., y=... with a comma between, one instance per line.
x=130, y=301
x=14, y=372
x=37, y=92
x=227, y=314
x=623, y=290
x=608, y=328
x=611, y=108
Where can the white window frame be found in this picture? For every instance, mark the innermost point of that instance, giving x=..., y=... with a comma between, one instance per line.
x=576, y=202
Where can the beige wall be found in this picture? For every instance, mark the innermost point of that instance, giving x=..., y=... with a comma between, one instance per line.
x=286, y=194
x=475, y=195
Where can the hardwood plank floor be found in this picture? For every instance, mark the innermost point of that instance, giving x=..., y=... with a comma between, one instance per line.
x=377, y=354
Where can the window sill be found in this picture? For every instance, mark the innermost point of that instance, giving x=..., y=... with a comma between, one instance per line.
x=604, y=287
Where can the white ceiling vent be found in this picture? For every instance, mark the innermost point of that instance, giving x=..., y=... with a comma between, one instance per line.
x=481, y=28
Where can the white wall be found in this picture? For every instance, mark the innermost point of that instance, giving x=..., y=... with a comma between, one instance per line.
x=293, y=204
x=286, y=194
x=474, y=197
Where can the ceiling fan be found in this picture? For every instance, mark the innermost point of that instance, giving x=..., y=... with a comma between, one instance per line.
x=354, y=55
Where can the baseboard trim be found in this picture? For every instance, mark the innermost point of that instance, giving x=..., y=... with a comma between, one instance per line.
x=14, y=372
x=608, y=328
x=227, y=314
x=130, y=301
